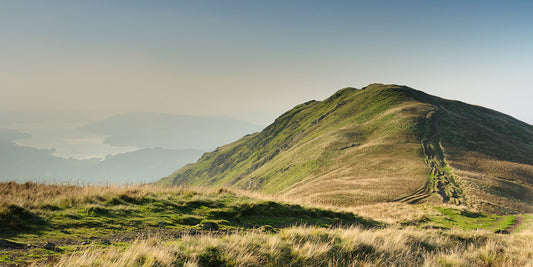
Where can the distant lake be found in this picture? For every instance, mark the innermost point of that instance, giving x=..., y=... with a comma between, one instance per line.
x=67, y=141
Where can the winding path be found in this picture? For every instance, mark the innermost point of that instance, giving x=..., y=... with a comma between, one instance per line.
x=440, y=181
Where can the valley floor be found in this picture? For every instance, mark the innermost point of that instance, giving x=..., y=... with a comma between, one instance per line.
x=60, y=225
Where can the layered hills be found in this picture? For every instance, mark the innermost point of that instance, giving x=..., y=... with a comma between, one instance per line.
x=381, y=143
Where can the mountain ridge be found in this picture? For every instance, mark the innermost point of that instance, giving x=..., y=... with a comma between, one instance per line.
x=380, y=143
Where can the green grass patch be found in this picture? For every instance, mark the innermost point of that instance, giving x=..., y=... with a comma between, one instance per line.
x=468, y=220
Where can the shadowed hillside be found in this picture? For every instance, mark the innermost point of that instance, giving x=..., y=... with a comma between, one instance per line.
x=378, y=144
x=491, y=154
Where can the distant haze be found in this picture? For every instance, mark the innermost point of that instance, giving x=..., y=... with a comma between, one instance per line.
x=148, y=129
x=252, y=60
x=126, y=148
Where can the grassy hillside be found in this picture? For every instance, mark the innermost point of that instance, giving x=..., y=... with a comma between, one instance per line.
x=172, y=226
x=381, y=143
x=356, y=147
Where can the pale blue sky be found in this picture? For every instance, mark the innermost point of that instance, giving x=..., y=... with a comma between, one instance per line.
x=256, y=59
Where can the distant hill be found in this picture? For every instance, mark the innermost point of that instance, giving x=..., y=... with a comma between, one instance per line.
x=145, y=165
x=148, y=129
x=164, y=141
x=378, y=144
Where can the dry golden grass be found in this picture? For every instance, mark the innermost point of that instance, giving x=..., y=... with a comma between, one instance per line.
x=364, y=178
x=391, y=213
x=493, y=185
x=303, y=246
x=32, y=195
x=386, y=166
x=395, y=245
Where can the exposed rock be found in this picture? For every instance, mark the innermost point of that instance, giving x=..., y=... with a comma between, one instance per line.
x=210, y=226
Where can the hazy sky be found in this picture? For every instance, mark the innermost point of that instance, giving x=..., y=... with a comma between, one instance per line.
x=256, y=59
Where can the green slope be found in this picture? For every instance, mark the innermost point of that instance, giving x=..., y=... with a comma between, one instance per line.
x=379, y=143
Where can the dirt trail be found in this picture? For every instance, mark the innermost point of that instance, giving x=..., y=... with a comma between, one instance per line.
x=432, y=160
x=441, y=182
x=509, y=230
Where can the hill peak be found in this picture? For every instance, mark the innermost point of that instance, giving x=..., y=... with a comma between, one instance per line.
x=381, y=86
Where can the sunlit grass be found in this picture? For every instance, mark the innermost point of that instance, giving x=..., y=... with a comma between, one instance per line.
x=152, y=226
x=309, y=246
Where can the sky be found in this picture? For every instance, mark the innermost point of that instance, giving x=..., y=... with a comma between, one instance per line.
x=253, y=60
